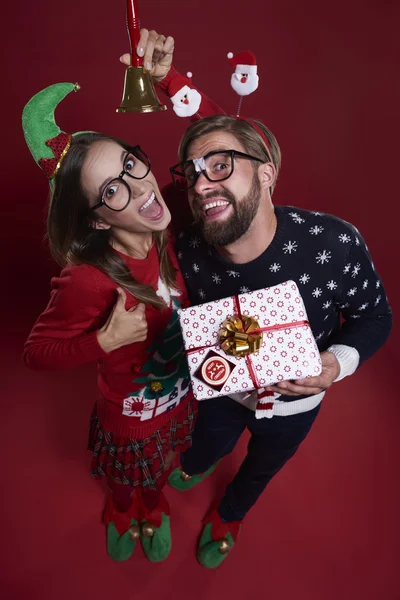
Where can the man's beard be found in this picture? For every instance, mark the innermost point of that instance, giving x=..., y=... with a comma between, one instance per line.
x=228, y=231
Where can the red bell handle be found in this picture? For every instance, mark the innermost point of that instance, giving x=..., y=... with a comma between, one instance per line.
x=133, y=26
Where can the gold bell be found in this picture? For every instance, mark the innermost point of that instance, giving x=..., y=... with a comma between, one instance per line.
x=139, y=94
x=224, y=546
x=147, y=530
x=185, y=476
x=134, y=532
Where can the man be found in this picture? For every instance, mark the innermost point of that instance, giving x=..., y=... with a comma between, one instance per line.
x=240, y=242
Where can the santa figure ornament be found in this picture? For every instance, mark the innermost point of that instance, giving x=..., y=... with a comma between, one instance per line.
x=185, y=100
x=244, y=79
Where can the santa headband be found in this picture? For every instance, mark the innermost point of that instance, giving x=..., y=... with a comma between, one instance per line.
x=186, y=100
x=245, y=72
x=258, y=129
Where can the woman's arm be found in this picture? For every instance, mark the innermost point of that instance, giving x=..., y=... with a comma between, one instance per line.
x=65, y=334
x=85, y=320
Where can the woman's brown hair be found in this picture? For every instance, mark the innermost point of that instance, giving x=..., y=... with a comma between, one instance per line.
x=73, y=241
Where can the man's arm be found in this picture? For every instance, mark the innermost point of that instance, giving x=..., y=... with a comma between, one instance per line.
x=207, y=107
x=367, y=316
x=157, y=53
x=367, y=323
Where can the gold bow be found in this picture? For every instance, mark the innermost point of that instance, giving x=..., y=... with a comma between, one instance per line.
x=236, y=336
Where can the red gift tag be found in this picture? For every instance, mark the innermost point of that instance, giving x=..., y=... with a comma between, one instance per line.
x=214, y=370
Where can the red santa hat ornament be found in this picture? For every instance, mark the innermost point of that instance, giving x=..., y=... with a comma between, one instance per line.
x=244, y=62
x=185, y=99
x=244, y=79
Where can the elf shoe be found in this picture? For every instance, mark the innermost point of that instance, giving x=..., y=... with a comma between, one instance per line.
x=122, y=529
x=155, y=531
x=217, y=540
x=181, y=481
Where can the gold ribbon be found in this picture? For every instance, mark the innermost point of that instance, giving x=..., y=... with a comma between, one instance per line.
x=240, y=336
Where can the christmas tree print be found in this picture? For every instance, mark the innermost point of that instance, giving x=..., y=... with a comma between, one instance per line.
x=167, y=363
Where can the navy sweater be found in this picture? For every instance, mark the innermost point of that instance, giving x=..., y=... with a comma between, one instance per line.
x=326, y=256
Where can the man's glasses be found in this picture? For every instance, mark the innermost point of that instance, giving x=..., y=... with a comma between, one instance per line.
x=217, y=165
x=117, y=194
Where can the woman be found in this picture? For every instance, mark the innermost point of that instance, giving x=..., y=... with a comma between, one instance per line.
x=115, y=301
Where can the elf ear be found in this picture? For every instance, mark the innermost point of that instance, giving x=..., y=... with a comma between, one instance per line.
x=267, y=174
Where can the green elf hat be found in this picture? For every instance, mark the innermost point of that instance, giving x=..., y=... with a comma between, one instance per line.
x=47, y=143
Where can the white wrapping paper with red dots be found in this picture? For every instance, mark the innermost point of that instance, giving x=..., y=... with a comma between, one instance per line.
x=288, y=349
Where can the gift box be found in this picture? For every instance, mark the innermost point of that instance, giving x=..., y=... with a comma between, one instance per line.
x=249, y=341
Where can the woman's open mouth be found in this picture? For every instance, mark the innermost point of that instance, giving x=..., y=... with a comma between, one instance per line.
x=151, y=209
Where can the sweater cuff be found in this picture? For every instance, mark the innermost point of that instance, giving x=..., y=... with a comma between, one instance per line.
x=164, y=83
x=90, y=347
x=348, y=359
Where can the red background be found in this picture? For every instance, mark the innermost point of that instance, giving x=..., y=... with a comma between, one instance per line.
x=327, y=527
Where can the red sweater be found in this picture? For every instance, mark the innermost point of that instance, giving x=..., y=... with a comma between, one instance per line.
x=65, y=335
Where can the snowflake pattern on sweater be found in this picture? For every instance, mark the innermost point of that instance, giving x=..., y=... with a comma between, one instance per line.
x=326, y=256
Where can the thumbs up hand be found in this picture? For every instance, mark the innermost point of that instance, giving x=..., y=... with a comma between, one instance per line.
x=123, y=326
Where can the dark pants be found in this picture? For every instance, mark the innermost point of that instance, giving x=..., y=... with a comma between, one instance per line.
x=219, y=425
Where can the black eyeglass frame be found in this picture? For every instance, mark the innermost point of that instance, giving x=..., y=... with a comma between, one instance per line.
x=134, y=151
x=175, y=171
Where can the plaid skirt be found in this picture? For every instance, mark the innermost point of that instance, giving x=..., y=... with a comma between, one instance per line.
x=140, y=462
